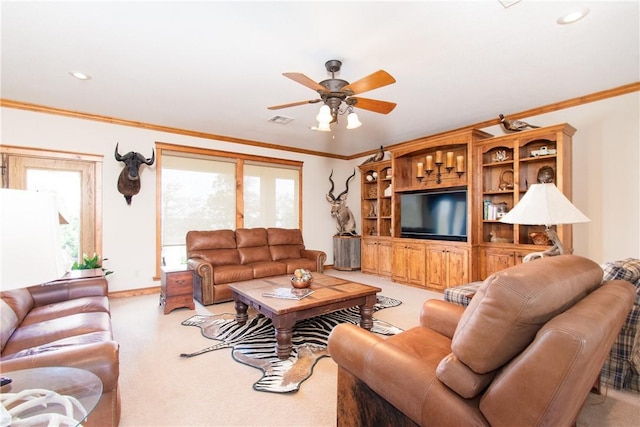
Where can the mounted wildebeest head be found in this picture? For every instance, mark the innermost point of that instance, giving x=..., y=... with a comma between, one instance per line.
x=129, y=179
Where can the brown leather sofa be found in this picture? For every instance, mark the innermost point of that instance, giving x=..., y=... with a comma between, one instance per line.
x=526, y=351
x=220, y=257
x=63, y=324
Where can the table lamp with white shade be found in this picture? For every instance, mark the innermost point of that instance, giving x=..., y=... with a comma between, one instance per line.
x=544, y=204
x=30, y=250
x=30, y=254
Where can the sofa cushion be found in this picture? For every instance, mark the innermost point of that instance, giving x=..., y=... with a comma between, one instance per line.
x=251, y=237
x=252, y=245
x=82, y=339
x=285, y=243
x=41, y=333
x=459, y=378
x=20, y=301
x=285, y=252
x=513, y=304
x=210, y=239
x=284, y=236
x=217, y=247
x=65, y=308
x=267, y=268
x=231, y=273
x=257, y=254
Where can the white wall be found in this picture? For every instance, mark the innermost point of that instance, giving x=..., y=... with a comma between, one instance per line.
x=606, y=181
x=129, y=231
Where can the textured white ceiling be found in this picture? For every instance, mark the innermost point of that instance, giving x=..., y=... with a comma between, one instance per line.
x=215, y=67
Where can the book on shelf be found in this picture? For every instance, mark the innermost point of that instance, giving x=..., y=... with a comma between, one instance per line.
x=288, y=293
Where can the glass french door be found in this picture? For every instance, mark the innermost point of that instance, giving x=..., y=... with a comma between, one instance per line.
x=74, y=183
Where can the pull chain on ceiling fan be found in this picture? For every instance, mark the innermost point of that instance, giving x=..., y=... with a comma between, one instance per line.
x=333, y=92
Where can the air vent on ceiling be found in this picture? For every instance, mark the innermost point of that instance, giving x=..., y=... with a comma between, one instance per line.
x=508, y=3
x=283, y=120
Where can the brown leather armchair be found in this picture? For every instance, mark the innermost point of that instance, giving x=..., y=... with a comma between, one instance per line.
x=526, y=351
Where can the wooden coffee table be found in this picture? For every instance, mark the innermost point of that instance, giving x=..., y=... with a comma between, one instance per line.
x=330, y=294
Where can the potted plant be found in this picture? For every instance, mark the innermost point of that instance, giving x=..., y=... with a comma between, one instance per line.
x=90, y=263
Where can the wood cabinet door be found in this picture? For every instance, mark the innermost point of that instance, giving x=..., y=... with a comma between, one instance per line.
x=436, y=267
x=369, y=255
x=399, y=262
x=384, y=258
x=415, y=256
x=458, y=267
x=494, y=260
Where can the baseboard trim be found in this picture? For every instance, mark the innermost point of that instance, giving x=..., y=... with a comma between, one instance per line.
x=135, y=292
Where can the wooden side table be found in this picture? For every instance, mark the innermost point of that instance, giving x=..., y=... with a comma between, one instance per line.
x=176, y=288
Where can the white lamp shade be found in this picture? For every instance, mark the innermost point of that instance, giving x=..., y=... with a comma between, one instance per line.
x=324, y=115
x=323, y=127
x=352, y=121
x=30, y=251
x=544, y=204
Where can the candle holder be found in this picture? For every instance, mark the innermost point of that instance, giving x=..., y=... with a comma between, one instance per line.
x=439, y=164
x=439, y=174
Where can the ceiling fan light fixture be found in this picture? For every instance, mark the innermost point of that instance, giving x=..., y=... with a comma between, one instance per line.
x=323, y=127
x=352, y=121
x=324, y=115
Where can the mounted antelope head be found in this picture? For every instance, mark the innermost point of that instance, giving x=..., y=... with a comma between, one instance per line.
x=345, y=221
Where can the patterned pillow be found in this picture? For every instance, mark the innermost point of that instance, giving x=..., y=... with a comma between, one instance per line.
x=628, y=342
x=626, y=269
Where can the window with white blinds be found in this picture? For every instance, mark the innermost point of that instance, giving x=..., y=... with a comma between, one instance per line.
x=270, y=194
x=198, y=193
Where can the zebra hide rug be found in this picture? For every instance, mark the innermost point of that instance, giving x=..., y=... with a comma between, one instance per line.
x=254, y=343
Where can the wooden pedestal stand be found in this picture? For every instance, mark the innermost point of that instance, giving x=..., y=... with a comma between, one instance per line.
x=346, y=253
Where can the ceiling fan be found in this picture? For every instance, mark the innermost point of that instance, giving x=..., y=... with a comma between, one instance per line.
x=333, y=92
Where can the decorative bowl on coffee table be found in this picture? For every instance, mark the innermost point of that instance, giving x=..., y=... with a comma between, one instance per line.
x=301, y=278
x=301, y=283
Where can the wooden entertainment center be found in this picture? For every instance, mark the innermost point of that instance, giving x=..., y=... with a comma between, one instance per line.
x=493, y=172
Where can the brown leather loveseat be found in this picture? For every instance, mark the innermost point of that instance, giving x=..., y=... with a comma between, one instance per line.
x=525, y=352
x=64, y=324
x=220, y=257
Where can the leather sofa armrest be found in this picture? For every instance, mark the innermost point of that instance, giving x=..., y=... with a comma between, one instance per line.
x=441, y=316
x=201, y=267
x=349, y=346
x=318, y=256
x=65, y=290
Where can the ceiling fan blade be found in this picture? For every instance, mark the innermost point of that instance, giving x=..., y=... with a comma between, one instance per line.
x=294, y=104
x=373, y=81
x=306, y=81
x=382, y=107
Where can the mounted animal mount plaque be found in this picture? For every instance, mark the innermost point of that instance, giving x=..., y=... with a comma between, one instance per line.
x=129, y=179
x=345, y=221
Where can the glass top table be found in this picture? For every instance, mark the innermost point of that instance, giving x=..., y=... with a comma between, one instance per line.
x=49, y=395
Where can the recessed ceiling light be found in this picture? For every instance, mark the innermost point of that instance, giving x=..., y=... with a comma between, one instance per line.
x=573, y=16
x=80, y=76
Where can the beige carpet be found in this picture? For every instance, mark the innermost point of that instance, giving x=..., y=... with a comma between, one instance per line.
x=161, y=389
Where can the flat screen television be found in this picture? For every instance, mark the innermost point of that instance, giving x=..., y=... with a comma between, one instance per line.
x=437, y=215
